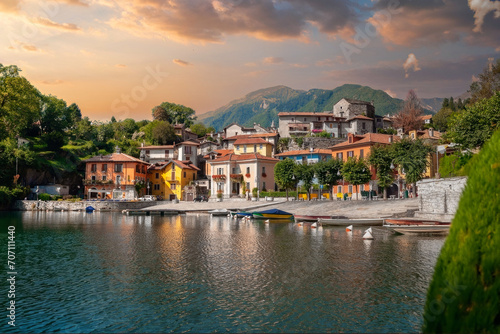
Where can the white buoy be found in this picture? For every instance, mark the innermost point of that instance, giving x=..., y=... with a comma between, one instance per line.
x=369, y=230
x=367, y=235
x=267, y=221
x=314, y=225
x=349, y=228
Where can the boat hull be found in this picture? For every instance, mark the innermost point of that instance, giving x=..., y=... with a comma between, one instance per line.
x=271, y=216
x=353, y=222
x=302, y=218
x=420, y=229
x=413, y=221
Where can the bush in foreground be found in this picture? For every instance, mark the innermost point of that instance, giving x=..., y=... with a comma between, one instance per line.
x=464, y=295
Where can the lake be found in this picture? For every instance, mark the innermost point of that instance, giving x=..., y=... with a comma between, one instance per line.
x=106, y=272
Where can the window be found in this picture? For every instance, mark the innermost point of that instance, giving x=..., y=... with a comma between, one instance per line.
x=172, y=175
x=305, y=119
x=237, y=147
x=93, y=168
x=173, y=186
x=167, y=153
x=188, y=149
x=220, y=171
x=157, y=175
x=261, y=146
x=244, y=149
x=137, y=168
x=194, y=176
x=104, y=167
x=184, y=174
x=118, y=179
x=234, y=170
x=147, y=152
x=156, y=187
x=363, y=125
x=118, y=168
x=350, y=140
x=104, y=177
x=339, y=156
x=361, y=153
x=263, y=186
x=93, y=178
x=331, y=126
x=350, y=154
x=143, y=170
x=362, y=187
x=350, y=188
x=339, y=189
x=255, y=148
x=263, y=170
x=248, y=170
x=293, y=119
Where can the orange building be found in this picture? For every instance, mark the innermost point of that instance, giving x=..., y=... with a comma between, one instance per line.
x=113, y=176
x=359, y=146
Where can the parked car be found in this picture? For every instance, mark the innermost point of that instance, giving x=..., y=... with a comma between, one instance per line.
x=201, y=198
x=148, y=198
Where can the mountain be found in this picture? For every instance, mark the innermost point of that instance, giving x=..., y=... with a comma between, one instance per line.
x=263, y=105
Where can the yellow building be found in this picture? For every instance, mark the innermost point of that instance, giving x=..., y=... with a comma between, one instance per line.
x=253, y=145
x=168, y=179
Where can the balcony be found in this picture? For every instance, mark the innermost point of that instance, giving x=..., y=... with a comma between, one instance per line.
x=236, y=177
x=98, y=182
x=219, y=178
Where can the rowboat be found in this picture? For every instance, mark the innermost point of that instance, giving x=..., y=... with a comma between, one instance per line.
x=306, y=218
x=413, y=221
x=221, y=212
x=419, y=229
x=354, y=222
x=272, y=214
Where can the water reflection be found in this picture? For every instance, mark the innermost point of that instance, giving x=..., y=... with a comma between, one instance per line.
x=108, y=272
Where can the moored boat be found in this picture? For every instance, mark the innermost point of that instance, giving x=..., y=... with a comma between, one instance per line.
x=354, y=222
x=89, y=209
x=219, y=212
x=413, y=221
x=419, y=229
x=272, y=214
x=307, y=218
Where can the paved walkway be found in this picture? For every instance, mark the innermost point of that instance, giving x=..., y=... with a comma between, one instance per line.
x=350, y=209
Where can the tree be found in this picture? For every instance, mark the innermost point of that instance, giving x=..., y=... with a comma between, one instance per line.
x=463, y=295
x=356, y=172
x=19, y=102
x=201, y=130
x=408, y=118
x=163, y=133
x=174, y=114
x=412, y=157
x=285, y=175
x=473, y=126
x=73, y=115
x=441, y=118
x=381, y=158
x=488, y=83
x=305, y=173
x=52, y=117
x=328, y=173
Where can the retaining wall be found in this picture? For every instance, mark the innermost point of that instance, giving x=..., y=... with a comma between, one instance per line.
x=439, y=197
x=25, y=205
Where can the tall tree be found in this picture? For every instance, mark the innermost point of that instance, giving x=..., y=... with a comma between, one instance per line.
x=441, y=118
x=412, y=156
x=328, y=173
x=174, y=113
x=356, y=172
x=19, y=102
x=285, y=175
x=408, y=117
x=487, y=84
x=163, y=133
x=305, y=173
x=381, y=157
x=475, y=125
x=52, y=117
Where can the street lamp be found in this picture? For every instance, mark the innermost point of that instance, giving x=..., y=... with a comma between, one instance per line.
x=148, y=187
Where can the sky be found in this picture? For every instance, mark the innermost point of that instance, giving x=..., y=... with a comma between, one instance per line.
x=123, y=57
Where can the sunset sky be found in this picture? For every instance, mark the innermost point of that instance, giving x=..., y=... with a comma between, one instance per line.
x=123, y=57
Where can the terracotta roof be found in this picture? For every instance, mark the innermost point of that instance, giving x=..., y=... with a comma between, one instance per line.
x=189, y=143
x=181, y=164
x=220, y=153
x=304, y=114
x=156, y=147
x=240, y=157
x=367, y=139
x=251, y=141
x=261, y=135
x=425, y=117
x=362, y=117
x=237, y=137
x=305, y=152
x=115, y=157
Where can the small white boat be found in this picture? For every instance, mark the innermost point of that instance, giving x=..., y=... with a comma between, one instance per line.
x=419, y=229
x=353, y=222
x=219, y=212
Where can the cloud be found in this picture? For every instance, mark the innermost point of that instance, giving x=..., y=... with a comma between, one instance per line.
x=49, y=23
x=121, y=65
x=481, y=8
x=434, y=22
x=23, y=46
x=29, y=47
x=411, y=63
x=181, y=62
x=52, y=82
x=9, y=6
x=273, y=60
x=212, y=20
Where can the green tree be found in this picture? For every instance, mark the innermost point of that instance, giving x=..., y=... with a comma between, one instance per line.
x=305, y=173
x=463, y=295
x=9, y=151
x=201, y=130
x=381, y=158
x=488, y=83
x=52, y=116
x=328, y=173
x=73, y=115
x=412, y=157
x=285, y=175
x=473, y=126
x=356, y=172
x=160, y=133
x=19, y=102
x=174, y=114
x=441, y=118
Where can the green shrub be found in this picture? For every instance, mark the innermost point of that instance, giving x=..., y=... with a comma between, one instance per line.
x=452, y=165
x=254, y=192
x=464, y=294
x=7, y=195
x=44, y=197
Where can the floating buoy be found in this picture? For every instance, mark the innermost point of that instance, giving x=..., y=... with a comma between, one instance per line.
x=267, y=221
x=349, y=228
x=367, y=235
x=314, y=225
x=300, y=224
x=369, y=230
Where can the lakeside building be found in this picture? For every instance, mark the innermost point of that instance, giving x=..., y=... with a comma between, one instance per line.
x=430, y=137
x=359, y=146
x=348, y=116
x=169, y=178
x=261, y=138
x=187, y=150
x=235, y=129
x=310, y=156
x=114, y=176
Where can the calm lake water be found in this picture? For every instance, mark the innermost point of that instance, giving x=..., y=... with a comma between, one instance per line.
x=105, y=272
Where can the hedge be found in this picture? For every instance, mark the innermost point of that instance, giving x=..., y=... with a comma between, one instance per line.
x=464, y=294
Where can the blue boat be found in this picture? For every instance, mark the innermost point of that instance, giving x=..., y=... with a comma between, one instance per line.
x=272, y=214
x=89, y=209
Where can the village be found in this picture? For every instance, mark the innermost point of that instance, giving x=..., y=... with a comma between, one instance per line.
x=240, y=162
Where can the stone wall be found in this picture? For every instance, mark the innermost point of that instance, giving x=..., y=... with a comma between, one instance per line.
x=26, y=205
x=439, y=197
x=315, y=142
